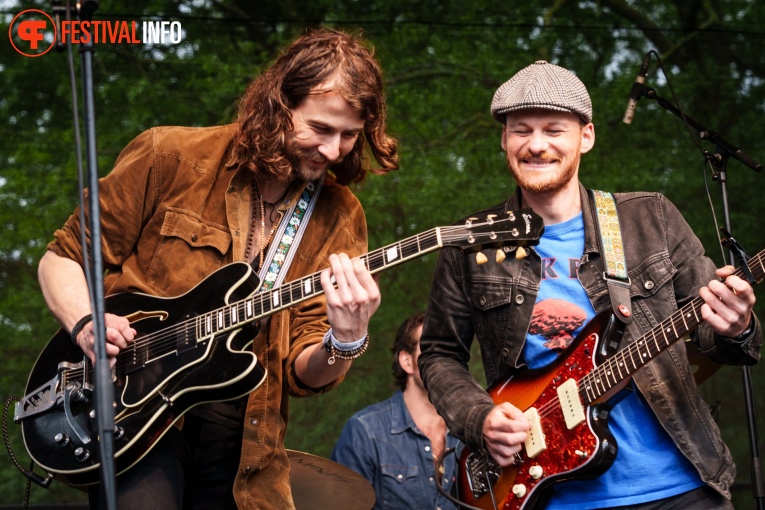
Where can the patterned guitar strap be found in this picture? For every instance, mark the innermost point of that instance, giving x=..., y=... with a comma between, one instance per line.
x=612, y=253
x=288, y=237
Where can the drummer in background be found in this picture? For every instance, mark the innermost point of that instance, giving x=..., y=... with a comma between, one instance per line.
x=395, y=444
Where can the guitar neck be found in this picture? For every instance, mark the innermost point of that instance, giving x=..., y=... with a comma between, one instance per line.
x=263, y=304
x=643, y=350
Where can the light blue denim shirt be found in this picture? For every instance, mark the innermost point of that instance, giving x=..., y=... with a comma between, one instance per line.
x=383, y=444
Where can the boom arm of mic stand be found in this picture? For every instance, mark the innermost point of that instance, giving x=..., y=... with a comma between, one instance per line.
x=704, y=133
x=758, y=487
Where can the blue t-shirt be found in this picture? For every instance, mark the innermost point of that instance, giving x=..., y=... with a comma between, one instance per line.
x=648, y=465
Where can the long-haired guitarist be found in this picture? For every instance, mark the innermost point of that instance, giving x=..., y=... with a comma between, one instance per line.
x=526, y=309
x=181, y=203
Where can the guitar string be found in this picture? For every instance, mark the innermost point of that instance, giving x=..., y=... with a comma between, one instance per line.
x=168, y=337
x=551, y=405
x=595, y=377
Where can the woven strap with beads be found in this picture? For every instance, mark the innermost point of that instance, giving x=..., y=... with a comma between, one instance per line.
x=288, y=237
x=612, y=253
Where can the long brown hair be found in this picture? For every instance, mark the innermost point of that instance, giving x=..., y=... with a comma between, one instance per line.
x=312, y=60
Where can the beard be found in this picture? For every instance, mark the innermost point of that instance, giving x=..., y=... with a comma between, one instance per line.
x=299, y=157
x=545, y=181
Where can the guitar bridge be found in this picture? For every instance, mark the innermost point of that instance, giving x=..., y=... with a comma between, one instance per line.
x=482, y=473
x=50, y=394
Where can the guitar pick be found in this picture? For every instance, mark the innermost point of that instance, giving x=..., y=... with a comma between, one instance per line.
x=521, y=253
x=480, y=258
x=500, y=256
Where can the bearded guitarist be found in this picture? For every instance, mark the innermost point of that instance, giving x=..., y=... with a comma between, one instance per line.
x=182, y=203
x=661, y=447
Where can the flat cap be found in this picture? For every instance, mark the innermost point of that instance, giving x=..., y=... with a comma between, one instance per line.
x=542, y=85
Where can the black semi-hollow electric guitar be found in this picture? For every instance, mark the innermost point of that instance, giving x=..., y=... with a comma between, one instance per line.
x=192, y=349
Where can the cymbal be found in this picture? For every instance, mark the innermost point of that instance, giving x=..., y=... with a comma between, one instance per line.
x=320, y=484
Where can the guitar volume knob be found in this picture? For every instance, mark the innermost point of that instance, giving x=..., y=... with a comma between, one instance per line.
x=61, y=439
x=536, y=471
x=519, y=490
x=81, y=454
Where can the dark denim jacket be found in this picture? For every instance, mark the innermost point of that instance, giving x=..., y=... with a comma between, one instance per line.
x=494, y=302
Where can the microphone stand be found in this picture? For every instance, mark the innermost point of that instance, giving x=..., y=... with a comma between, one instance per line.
x=104, y=389
x=719, y=160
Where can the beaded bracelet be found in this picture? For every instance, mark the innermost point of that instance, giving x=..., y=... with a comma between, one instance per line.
x=350, y=354
x=78, y=327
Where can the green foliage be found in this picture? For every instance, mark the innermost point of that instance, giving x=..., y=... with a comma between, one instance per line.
x=442, y=61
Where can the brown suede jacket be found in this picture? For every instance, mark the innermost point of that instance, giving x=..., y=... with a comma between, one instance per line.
x=172, y=213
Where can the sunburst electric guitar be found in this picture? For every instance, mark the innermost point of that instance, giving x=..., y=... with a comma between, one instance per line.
x=192, y=349
x=566, y=404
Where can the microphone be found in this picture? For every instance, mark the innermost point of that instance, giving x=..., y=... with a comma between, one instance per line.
x=637, y=89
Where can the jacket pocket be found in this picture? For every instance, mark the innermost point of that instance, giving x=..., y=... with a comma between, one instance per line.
x=190, y=249
x=651, y=276
x=487, y=293
x=653, y=295
x=502, y=311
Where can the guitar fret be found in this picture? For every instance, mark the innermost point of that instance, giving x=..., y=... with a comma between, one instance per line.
x=632, y=358
x=621, y=362
x=685, y=324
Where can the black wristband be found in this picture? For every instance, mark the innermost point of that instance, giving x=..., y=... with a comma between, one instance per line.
x=747, y=332
x=78, y=327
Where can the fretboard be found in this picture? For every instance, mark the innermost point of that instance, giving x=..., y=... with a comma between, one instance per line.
x=266, y=303
x=628, y=360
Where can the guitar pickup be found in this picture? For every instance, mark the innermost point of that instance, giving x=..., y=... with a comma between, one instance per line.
x=535, y=440
x=573, y=411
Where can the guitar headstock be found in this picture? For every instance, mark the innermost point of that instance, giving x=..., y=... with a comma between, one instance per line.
x=512, y=228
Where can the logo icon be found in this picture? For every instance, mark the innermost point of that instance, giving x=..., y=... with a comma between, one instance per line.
x=27, y=33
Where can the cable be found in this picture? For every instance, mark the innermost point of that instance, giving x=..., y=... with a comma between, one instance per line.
x=460, y=504
x=29, y=474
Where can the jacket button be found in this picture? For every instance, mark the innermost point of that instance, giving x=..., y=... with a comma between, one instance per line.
x=253, y=421
x=505, y=352
x=482, y=300
x=519, y=299
x=648, y=285
x=193, y=238
x=247, y=469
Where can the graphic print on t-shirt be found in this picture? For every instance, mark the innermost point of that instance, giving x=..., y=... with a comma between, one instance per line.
x=556, y=319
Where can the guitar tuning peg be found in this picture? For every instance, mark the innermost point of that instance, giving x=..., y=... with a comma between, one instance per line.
x=510, y=216
x=480, y=258
x=521, y=253
x=500, y=256
x=490, y=218
x=470, y=220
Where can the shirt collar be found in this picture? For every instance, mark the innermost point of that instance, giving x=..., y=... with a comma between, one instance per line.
x=400, y=417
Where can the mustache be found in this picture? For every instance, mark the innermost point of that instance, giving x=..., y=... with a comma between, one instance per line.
x=544, y=157
x=314, y=156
